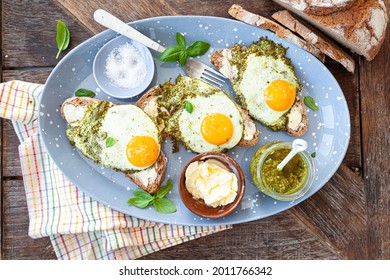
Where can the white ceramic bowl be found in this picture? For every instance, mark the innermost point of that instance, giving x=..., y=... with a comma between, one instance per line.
x=105, y=83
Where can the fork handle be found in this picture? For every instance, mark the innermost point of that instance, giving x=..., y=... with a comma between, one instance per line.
x=108, y=20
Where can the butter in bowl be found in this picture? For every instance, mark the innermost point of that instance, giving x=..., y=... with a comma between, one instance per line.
x=212, y=185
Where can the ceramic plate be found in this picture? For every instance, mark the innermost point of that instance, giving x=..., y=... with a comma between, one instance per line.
x=328, y=132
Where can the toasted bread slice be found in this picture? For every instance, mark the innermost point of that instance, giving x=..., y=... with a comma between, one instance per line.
x=243, y=15
x=296, y=124
x=149, y=179
x=316, y=38
x=251, y=133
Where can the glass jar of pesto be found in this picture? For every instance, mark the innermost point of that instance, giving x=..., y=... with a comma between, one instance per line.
x=290, y=183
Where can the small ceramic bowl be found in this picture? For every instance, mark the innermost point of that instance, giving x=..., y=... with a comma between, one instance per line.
x=198, y=206
x=105, y=83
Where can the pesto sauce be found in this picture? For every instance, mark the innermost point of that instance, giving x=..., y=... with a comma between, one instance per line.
x=86, y=134
x=288, y=180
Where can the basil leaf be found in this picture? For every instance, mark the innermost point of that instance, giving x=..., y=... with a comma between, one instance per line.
x=82, y=92
x=110, y=142
x=142, y=194
x=189, y=107
x=62, y=37
x=139, y=202
x=198, y=48
x=180, y=40
x=171, y=54
x=313, y=155
x=309, y=102
x=164, y=205
x=183, y=58
x=164, y=190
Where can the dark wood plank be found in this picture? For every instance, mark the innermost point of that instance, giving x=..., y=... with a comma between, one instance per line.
x=280, y=236
x=134, y=10
x=16, y=242
x=338, y=214
x=29, y=33
x=375, y=88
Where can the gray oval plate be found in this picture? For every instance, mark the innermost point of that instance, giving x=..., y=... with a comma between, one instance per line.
x=328, y=132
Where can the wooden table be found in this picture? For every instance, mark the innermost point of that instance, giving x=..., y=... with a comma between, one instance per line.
x=347, y=219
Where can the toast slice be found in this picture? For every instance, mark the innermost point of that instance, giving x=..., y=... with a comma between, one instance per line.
x=243, y=15
x=296, y=124
x=150, y=179
x=316, y=38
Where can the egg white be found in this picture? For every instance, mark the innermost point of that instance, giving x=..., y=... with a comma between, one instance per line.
x=190, y=123
x=123, y=122
x=260, y=71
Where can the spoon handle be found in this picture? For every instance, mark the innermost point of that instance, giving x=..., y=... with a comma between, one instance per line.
x=108, y=20
x=286, y=159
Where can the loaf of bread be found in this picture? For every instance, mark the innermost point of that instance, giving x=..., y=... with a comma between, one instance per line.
x=314, y=37
x=359, y=25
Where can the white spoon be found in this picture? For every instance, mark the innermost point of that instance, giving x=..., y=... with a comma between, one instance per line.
x=298, y=145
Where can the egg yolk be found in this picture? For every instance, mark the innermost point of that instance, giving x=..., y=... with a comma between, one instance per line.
x=216, y=129
x=142, y=151
x=279, y=95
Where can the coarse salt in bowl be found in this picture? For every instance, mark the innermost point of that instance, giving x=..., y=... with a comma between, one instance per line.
x=123, y=68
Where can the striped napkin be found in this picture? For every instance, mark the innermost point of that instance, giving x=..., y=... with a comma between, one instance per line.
x=79, y=227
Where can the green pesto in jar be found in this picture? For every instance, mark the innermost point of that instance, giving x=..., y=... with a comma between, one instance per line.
x=288, y=180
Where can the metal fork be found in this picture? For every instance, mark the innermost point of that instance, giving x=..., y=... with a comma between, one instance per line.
x=192, y=68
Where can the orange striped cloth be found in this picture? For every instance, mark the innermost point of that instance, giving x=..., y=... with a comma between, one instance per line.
x=79, y=227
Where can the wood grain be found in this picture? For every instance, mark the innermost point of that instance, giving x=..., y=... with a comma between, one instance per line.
x=16, y=243
x=338, y=214
x=280, y=236
x=29, y=33
x=375, y=88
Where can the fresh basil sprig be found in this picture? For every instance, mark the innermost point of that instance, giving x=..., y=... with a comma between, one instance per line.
x=82, y=92
x=309, y=102
x=163, y=205
x=62, y=37
x=180, y=52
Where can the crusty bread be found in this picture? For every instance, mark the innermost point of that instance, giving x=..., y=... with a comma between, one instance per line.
x=149, y=179
x=249, y=125
x=243, y=15
x=82, y=102
x=322, y=7
x=297, y=119
x=296, y=124
x=361, y=26
x=152, y=178
x=316, y=38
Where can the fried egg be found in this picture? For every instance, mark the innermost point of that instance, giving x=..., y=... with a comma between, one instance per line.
x=265, y=84
x=269, y=88
x=121, y=137
x=214, y=123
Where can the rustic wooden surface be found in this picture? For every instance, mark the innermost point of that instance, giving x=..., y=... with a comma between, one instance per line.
x=347, y=219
